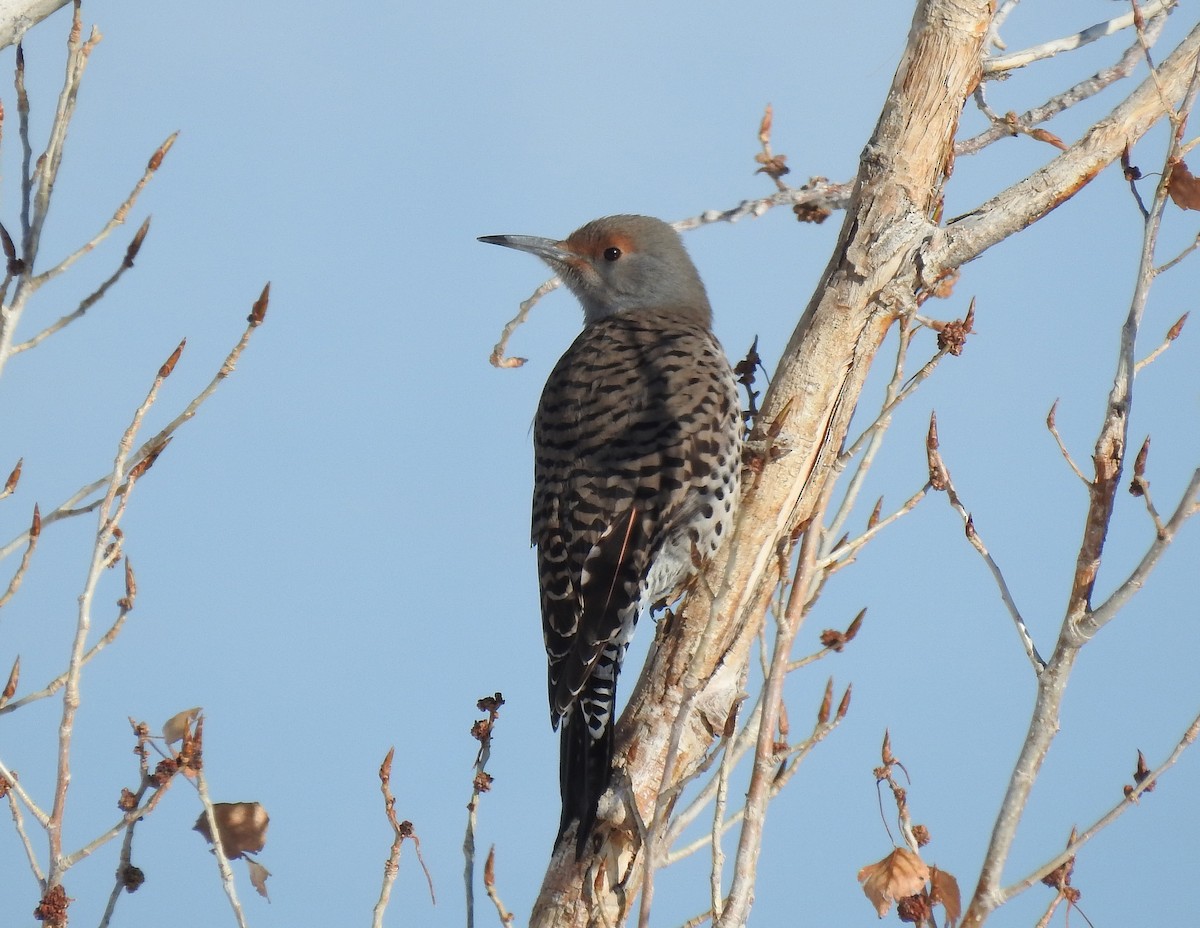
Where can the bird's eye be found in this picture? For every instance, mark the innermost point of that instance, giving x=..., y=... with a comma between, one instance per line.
x=611, y=254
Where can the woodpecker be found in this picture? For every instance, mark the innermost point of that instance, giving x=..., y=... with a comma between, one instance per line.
x=637, y=459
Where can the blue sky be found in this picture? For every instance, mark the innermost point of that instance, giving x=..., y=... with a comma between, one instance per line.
x=333, y=557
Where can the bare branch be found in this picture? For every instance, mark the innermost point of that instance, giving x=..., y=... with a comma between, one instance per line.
x=214, y=830
x=1052, y=425
x=1130, y=800
x=87, y=302
x=994, y=65
x=151, y=446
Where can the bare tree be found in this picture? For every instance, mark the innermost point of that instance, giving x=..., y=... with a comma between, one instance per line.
x=40, y=810
x=894, y=252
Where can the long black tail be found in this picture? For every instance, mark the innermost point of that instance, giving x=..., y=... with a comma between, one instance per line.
x=584, y=771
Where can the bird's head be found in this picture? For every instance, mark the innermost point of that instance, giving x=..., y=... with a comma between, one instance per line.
x=620, y=264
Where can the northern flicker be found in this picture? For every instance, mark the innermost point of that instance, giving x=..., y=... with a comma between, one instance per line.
x=637, y=457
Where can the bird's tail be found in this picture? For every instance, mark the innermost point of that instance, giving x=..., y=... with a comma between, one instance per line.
x=584, y=771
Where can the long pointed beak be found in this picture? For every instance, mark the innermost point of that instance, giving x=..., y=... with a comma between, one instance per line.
x=545, y=248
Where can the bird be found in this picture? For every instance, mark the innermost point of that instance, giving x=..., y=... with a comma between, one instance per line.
x=637, y=466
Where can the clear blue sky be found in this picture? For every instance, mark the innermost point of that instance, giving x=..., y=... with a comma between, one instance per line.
x=333, y=558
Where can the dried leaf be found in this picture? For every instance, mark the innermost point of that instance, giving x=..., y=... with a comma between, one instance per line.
x=944, y=889
x=176, y=727
x=258, y=877
x=242, y=826
x=902, y=873
x=1184, y=188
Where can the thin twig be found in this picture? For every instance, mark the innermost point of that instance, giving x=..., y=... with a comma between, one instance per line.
x=1107, y=610
x=940, y=477
x=1172, y=334
x=993, y=65
x=765, y=752
x=482, y=731
x=19, y=825
x=117, y=218
x=1163, y=268
x=1004, y=128
x=1127, y=803
x=1052, y=425
x=151, y=446
x=489, y=883
x=87, y=302
x=877, y=430
x=1081, y=621
x=214, y=830
x=15, y=786
x=400, y=831
x=57, y=683
x=101, y=557
x=35, y=531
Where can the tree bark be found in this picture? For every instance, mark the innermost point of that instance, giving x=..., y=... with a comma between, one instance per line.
x=18, y=16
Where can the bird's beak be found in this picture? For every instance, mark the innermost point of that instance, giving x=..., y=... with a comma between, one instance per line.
x=547, y=249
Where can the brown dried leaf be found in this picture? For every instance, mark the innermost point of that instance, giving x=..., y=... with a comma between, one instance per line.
x=1184, y=188
x=258, y=877
x=242, y=826
x=902, y=873
x=177, y=726
x=944, y=889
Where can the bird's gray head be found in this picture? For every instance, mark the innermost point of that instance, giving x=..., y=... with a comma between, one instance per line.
x=620, y=263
